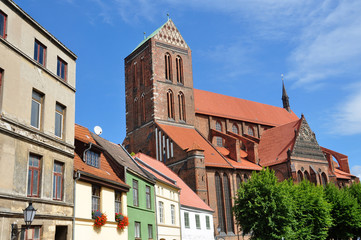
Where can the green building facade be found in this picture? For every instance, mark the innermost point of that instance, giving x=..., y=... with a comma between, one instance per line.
x=141, y=207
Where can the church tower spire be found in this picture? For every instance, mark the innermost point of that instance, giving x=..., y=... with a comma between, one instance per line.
x=285, y=98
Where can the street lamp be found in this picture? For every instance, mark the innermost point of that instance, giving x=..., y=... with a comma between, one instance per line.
x=29, y=214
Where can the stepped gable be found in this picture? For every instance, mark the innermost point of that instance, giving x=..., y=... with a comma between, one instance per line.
x=119, y=154
x=306, y=145
x=187, y=196
x=275, y=143
x=185, y=139
x=219, y=105
x=105, y=171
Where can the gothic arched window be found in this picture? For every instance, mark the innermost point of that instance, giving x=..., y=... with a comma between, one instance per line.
x=170, y=104
x=142, y=109
x=234, y=128
x=228, y=203
x=219, y=139
x=299, y=176
x=179, y=67
x=220, y=203
x=250, y=131
x=324, y=179
x=135, y=111
x=142, y=77
x=135, y=74
x=306, y=176
x=168, y=66
x=181, y=106
x=238, y=180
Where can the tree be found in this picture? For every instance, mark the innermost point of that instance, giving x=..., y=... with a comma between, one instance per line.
x=345, y=212
x=264, y=208
x=355, y=191
x=312, y=211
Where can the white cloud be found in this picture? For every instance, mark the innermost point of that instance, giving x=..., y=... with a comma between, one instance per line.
x=356, y=170
x=347, y=119
x=329, y=47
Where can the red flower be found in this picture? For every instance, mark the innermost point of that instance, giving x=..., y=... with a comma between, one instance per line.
x=121, y=220
x=100, y=220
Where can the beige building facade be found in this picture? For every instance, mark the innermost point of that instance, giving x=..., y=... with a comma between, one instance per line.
x=37, y=107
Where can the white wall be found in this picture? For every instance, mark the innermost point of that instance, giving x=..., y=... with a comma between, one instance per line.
x=192, y=233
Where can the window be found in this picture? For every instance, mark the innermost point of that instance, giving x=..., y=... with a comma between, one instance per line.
x=181, y=105
x=299, y=176
x=324, y=179
x=170, y=103
x=172, y=213
x=3, y=19
x=219, y=139
x=34, y=175
x=135, y=74
x=39, y=52
x=142, y=72
x=95, y=198
x=235, y=129
x=250, y=131
x=150, y=231
x=198, y=222
x=238, y=180
x=137, y=229
x=147, y=196
x=58, y=181
x=118, y=202
x=135, y=193
x=33, y=233
x=220, y=203
x=161, y=214
x=59, y=119
x=186, y=219
x=168, y=66
x=135, y=107
x=245, y=178
x=62, y=69
x=92, y=158
x=228, y=203
x=36, y=105
x=179, y=67
x=142, y=109
x=208, y=225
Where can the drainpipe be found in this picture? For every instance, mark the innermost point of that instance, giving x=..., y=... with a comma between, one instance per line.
x=235, y=195
x=155, y=210
x=86, y=150
x=77, y=176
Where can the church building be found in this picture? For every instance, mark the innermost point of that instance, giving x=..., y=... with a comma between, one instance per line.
x=212, y=141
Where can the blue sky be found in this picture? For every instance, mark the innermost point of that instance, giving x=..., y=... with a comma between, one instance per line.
x=239, y=48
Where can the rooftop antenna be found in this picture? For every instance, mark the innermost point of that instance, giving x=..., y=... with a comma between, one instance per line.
x=144, y=35
x=168, y=16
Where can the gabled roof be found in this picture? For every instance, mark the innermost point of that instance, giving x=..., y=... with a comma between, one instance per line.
x=342, y=175
x=120, y=155
x=105, y=171
x=219, y=105
x=275, y=143
x=186, y=138
x=167, y=33
x=187, y=196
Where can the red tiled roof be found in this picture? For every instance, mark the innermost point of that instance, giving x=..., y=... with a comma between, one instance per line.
x=275, y=142
x=105, y=171
x=82, y=134
x=187, y=196
x=185, y=139
x=342, y=174
x=215, y=104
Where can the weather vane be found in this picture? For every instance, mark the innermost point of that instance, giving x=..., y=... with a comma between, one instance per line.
x=282, y=76
x=144, y=35
x=168, y=15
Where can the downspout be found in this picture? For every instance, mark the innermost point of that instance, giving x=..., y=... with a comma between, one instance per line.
x=155, y=208
x=77, y=176
x=235, y=195
x=86, y=150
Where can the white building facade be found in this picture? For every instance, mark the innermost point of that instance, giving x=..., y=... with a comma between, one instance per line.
x=196, y=224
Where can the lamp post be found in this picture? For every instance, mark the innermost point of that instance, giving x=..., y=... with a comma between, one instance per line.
x=29, y=214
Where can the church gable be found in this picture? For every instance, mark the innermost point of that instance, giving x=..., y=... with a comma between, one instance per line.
x=306, y=145
x=169, y=34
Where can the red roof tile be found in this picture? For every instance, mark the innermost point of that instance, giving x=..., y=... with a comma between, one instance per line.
x=187, y=196
x=275, y=142
x=214, y=104
x=342, y=174
x=185, y=139
x=105, y=171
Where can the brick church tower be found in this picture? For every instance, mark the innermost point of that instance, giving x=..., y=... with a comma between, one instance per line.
x=159, y=90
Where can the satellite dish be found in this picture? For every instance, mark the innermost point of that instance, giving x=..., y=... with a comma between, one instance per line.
x=98, y=130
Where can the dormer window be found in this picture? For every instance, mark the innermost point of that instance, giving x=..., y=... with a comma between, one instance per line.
x=92, y=158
